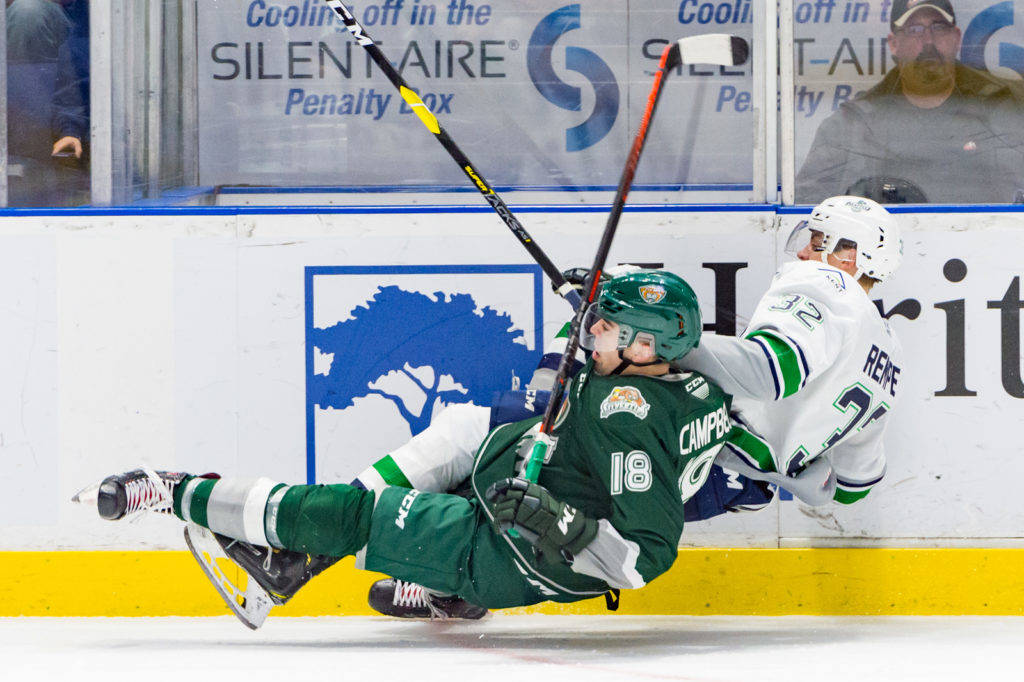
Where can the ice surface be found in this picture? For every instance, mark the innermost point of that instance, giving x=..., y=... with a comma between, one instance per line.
x=533, y=648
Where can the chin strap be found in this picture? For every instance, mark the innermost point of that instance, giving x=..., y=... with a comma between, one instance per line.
x=856, y=275
x=624, y=363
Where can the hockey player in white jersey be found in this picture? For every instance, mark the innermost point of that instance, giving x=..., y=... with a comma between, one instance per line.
x=818, y=369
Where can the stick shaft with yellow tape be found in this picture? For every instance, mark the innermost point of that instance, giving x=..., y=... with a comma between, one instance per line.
x=562, y=287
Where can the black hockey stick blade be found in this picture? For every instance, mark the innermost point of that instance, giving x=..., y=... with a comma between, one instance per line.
x=710, y=48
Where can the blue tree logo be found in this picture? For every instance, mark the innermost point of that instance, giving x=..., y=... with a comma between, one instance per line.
x=402, y=331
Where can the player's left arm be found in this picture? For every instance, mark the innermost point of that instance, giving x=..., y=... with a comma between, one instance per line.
x=592, y=546
x=738, y=365
x=859, y=465
x=639, y=540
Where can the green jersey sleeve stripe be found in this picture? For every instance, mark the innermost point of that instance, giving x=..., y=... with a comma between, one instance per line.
x=389, y=471
x=753, y=448
x=849, y=496
x=789, y=361
x=563, y=333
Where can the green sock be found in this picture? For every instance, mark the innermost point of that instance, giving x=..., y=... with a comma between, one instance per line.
x=200, y=497
x=179, y=490
x=325, y=519
x=316, y=519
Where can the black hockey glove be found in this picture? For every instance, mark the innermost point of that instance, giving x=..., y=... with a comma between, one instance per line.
x=578, y=276
x=575, y=277
x=555, y=529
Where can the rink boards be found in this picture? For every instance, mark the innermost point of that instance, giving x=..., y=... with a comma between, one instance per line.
x=758, y=582
x=187, y=339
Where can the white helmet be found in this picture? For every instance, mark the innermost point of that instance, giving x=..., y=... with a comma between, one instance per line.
x=864, y=222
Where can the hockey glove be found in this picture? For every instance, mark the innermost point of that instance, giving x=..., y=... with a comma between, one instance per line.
x=555, y=529
x=577, y=276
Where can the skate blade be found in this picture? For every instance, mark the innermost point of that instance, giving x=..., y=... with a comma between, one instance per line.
x=88, y=495
x=242, y=594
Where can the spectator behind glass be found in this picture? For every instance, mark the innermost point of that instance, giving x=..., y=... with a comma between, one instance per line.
x=46, y=115
x=933, y=130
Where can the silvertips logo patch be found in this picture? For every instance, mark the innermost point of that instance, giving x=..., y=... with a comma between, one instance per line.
x=625, y=399
x=652, y=293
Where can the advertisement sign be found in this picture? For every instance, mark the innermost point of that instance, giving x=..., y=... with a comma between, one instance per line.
x=542, y=93
x=389, y=346
x=306, y=346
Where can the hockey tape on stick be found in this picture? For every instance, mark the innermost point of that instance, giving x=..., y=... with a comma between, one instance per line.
x=430, y=121
x=712, y=48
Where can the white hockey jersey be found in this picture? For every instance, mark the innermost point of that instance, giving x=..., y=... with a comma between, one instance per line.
x=836, y=364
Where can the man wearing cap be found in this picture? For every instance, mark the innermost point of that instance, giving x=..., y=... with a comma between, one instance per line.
x=933, y=130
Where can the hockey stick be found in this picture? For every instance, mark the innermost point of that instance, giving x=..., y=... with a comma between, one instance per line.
x=712, y=48
x=562, y=288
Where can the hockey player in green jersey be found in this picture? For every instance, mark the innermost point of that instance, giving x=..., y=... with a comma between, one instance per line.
x=634, y=440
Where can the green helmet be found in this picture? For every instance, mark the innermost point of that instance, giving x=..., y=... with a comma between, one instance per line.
x=656, y=303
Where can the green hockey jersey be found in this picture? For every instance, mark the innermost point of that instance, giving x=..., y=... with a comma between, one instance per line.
x=629, y=451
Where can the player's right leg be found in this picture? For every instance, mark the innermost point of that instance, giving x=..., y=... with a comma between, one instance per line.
x=309, y=521
x=438, y=459
x=280, y=536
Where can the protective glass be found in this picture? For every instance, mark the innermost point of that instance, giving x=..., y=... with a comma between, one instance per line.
x=802, y=235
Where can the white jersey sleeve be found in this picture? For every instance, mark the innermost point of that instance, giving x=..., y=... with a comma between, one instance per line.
x=836, y=368
x=804, y=322
x=859, y=463
x=738, y=366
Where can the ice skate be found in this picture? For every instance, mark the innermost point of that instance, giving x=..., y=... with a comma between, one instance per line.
x=249, y=578
x=399, y=599
x=122, y=495
x=240, y=590
x=280, y=572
